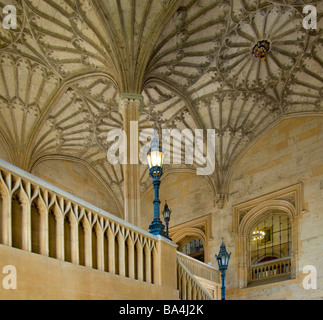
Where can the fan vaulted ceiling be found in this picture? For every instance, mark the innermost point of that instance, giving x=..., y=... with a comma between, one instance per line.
x=62, y=71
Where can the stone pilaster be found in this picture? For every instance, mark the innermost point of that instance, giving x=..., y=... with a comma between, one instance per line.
x=129, y=107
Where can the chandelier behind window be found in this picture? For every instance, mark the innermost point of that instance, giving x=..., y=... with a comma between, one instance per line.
x=257, y=235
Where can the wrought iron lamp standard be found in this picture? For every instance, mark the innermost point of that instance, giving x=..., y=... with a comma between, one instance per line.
x=223, y=261
x=155, y=159
x=166, y=213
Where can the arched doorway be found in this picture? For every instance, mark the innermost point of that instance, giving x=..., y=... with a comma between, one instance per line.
x=192, y=238
x=194, y=249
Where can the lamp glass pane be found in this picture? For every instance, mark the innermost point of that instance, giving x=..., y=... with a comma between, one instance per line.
x=166, y=214
x=223, y=262
x=155, y=158
x=161, y=155
x=149, y=160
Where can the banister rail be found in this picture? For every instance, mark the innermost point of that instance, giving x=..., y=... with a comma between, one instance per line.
x=199, y=268
x=189, y=288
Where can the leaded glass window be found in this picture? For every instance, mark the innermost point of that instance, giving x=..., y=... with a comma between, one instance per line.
x=270, y=239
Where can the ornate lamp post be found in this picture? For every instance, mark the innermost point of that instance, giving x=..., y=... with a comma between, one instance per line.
x=223, y=261
x=166, y=213
x=155, y=159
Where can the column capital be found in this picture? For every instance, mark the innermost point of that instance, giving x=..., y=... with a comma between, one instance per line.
x=131, y=96
x=130, y=101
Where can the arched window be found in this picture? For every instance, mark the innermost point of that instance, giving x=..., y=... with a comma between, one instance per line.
x=270, y=242
x=266, y=230
x=270, y=239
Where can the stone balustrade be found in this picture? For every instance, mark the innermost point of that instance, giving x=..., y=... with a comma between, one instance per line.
x=271, y=269
x=189, y=287
x=37, y=217
x=199, y=268
x=206, y=275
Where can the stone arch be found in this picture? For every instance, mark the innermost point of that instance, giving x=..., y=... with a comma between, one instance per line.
x=185, y=235
x=196, y=229
x=257, y=213
x=287, y=202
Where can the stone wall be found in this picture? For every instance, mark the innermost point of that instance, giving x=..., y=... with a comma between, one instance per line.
x=188, y=196
x=43, y=278
x=76, y=179
x=290, y=153
x=3, y=153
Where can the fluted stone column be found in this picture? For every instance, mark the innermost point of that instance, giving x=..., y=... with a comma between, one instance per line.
x=129, y=107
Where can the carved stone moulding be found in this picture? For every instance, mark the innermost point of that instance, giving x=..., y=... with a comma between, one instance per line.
x=289, y=199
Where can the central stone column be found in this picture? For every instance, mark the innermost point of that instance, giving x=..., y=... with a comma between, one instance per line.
x=129, y=107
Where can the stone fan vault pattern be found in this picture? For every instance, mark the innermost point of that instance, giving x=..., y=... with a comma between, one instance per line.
x=63, y=69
